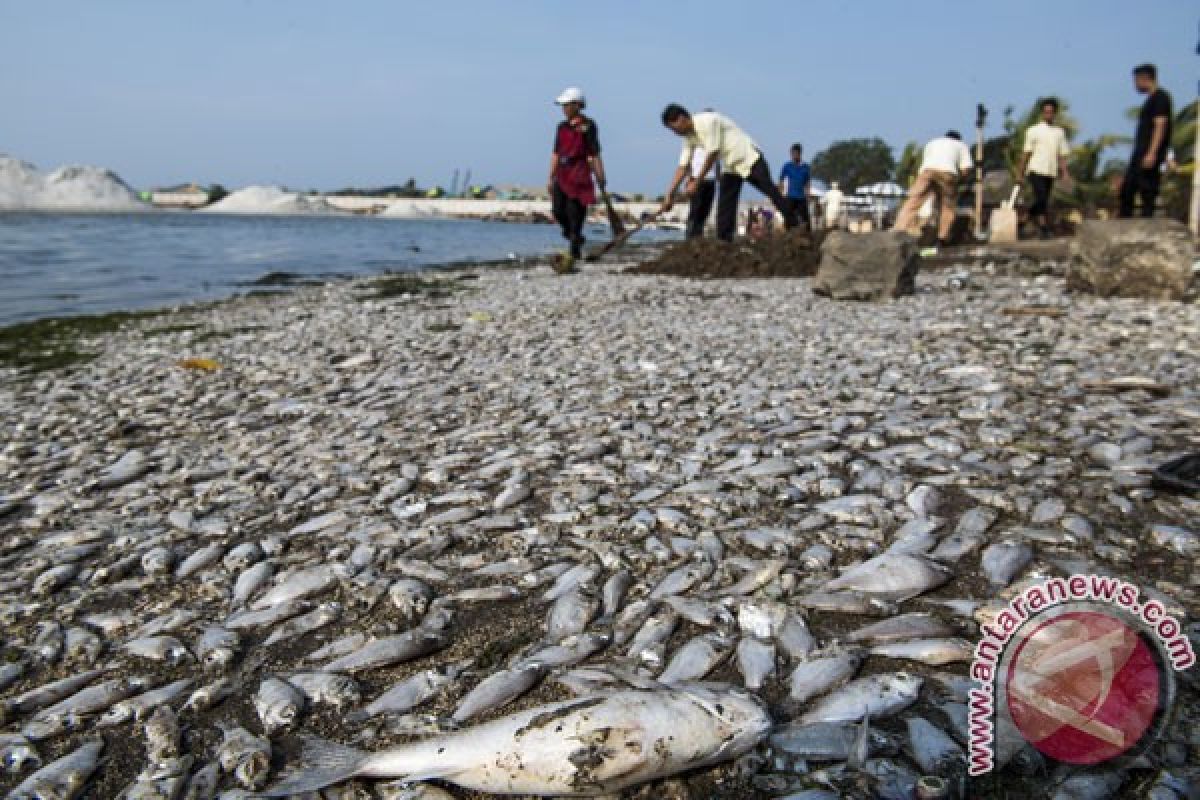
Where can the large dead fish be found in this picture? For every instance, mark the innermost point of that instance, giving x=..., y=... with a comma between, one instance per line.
x=579, y=748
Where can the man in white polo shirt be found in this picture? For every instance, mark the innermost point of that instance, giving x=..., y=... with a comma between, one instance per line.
x=1044, y=158
x=741, y=161
x=945, y=161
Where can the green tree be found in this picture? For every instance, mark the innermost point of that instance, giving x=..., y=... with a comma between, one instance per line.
x=1177, y=188
x=1092, y=176
x=216, y=192
x=855, y=162
x=909, y=164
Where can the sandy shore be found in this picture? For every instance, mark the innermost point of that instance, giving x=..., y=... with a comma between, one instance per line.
x=635, y=409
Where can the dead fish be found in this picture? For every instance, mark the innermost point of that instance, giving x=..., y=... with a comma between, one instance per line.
x=327, y=688
x=570, y=580
x=820, y=673
x=756, y=577
x=696, y=658
x=411, y=597
x=878, y=695
x=278, y=704
x=850, y=602
x=928, y=651
x=648, y=644
x=47, y=694
x=755, y=661
x=916, y=625
x=245, y=756
x=569, y=651
x=931, y=747
x=217, y=648
x=681, y=580
x=140, y=705
x=131, y=466
x=209, y=695
x=499, y=689
x=705, y=613
x=579, y=747
x=390, y=650
x=511, y=496
x=892, y=576
x=298, y=585
x=613, y=593
x=570, y=614
x=1003, y=561
x=17, y=754
x=303, y=624
x=63, y=778
x=828, y=741
x=202, y=559
x=249, y=581
x=158, y=648
x=162, y=736
x=272, y=615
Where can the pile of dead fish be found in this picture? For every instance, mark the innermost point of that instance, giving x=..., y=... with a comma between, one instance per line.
x=573, y=537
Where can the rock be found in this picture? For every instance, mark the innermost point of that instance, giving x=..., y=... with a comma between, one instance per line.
x=869, y=266
x=1149, y=258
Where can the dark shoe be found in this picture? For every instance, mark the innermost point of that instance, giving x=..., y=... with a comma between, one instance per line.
x=577, y=247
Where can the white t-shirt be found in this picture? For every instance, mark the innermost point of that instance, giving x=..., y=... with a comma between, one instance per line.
x=699, y=155
x=1046, y=144
x=833, y=202
x=718, y=134
x=946, y=155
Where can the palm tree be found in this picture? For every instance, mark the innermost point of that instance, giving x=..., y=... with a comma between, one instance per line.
x=1016, y=127
x=1091, y=176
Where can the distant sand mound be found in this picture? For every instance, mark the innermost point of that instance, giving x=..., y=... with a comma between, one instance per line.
x=78, y=188
x=270, y=200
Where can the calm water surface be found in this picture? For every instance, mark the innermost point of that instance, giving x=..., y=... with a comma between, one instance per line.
x=65, y=264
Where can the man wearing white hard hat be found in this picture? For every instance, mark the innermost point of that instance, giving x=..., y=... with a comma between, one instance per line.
x=575, y=159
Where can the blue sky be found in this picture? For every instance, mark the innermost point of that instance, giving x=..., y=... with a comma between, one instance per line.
x=325, y=94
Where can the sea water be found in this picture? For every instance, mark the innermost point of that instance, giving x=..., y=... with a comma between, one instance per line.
x=69, y=264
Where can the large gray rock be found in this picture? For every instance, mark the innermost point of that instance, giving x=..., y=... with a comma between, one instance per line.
x=1149, y=258
x=866, y=266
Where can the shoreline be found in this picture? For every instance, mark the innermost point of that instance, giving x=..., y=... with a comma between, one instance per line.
x=55, y=337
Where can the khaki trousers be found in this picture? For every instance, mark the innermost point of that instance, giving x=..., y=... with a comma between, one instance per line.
x=936, y=182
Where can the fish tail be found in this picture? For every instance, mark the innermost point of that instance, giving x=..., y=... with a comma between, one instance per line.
x=321, y=763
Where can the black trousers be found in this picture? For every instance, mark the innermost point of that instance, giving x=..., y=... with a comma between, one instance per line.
x=1139, y=182
x=731, y=191
x=699, y=207
x=1042, y=186
x=570, y=214
x=800, y=207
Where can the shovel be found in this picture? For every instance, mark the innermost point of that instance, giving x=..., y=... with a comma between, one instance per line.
x=614, y=219
x=620, y=237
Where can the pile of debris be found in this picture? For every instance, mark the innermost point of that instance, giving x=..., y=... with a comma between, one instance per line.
x=784, y=255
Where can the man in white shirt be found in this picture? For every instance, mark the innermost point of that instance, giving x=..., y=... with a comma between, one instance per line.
x=1043, y=158
x=945, y=161
x=700, y=202
x=741, y=161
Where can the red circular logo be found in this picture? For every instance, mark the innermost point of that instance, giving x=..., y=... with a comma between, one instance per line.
x=1083, y=687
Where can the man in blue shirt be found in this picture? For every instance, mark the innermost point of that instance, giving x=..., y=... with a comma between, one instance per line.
x=795, y=180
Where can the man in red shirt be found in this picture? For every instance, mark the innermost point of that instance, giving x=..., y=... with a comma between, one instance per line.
x=575, y=159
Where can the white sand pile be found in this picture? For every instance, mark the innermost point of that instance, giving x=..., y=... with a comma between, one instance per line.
x=24, y=188
x=270, y=200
